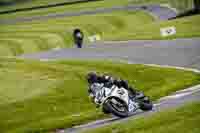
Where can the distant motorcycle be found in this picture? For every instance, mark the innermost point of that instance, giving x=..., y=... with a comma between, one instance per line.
x=117, y=101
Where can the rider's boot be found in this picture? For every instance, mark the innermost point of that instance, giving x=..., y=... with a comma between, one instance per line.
x=140, y=95
x=134, y=94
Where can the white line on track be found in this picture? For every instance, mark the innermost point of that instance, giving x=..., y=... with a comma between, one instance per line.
x=167, y=66
x=183, y=93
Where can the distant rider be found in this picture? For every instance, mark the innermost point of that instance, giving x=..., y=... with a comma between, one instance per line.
x=78, y=38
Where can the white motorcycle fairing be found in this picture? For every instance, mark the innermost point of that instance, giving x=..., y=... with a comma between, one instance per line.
x=122, y=94
x=103, y=93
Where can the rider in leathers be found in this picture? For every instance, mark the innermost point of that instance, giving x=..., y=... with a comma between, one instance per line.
x=108, y=81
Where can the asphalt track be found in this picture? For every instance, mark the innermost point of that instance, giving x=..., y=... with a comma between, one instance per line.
x=177, y=52
x=157, y=11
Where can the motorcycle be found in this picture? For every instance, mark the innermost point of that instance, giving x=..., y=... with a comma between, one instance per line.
x=116, y=100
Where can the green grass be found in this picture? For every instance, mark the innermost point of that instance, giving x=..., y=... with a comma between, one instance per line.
x=67, y=8
x=186, y=27
x=48, y=34
x=45, y=35
x=182, y=120
x=42, y=96
x=19, y=4
x=180, y=5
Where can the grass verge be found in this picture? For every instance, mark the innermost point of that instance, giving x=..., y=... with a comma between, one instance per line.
x=180, y=5
x=184, y=119
x=67, y=8
x=21, y=4
x=45, y=35
x=42, y=96
x=186, y=27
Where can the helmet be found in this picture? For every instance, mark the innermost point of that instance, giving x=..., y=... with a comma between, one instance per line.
x=107, y=78
x=91, y=77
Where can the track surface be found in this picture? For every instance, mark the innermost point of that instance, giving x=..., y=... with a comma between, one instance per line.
x=159, y=12
x=178, y=52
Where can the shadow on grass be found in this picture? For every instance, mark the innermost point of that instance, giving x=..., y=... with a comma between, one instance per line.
x=187, y=13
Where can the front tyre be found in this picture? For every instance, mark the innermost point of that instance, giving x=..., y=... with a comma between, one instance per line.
x=105, y=109
x=116, y=106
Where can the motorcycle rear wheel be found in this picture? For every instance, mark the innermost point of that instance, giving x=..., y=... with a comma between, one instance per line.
x=146, y=104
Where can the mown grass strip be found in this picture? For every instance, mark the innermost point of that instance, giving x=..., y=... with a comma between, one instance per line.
x=46, y=6
x=42, y=96
x=68, y=8
x=22, y=4
x=58, y=33
x=180, y=5
x=117, y=26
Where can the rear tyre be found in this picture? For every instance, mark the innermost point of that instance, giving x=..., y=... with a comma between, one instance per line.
x=117, y=108
x=146, y=104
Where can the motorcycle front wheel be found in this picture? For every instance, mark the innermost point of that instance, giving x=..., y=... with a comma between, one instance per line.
x=116, y=106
